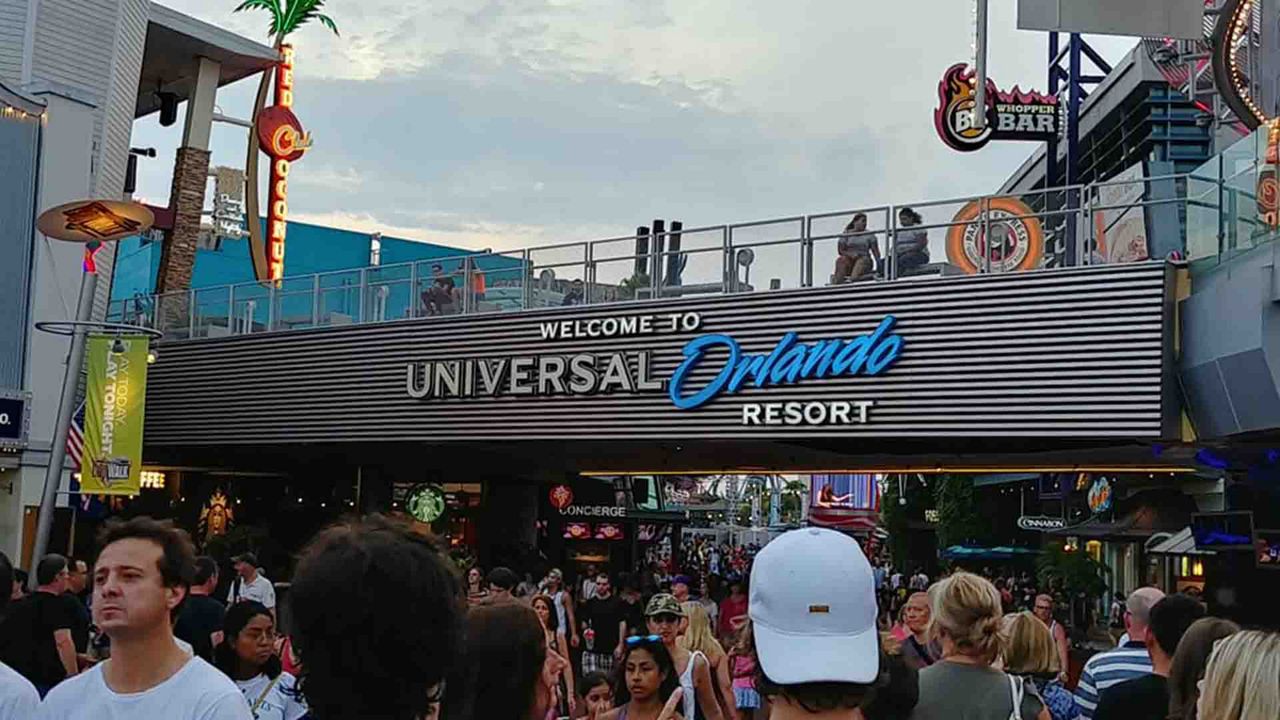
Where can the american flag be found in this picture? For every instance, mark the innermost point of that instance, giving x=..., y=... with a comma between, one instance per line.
x=75, y=440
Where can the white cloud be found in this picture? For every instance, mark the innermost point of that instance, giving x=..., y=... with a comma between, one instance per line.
x=502, y=123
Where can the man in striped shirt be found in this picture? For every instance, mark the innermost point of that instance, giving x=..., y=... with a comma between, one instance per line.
x=1125, y=662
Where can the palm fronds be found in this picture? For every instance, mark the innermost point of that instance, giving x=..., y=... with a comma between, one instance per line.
x=289, y=15
x=299, y=12
x=271, y=6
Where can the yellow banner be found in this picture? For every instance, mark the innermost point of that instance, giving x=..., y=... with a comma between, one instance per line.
x=115, y=396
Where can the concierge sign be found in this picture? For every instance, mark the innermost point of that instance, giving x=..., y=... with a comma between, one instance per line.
x=712, y=365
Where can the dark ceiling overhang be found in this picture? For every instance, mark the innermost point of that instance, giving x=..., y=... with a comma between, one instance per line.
x=174, y=44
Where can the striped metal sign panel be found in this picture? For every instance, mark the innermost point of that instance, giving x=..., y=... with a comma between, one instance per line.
x=1054, y=354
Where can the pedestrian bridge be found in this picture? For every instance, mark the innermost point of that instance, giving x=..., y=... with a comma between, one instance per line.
x=1202, y=216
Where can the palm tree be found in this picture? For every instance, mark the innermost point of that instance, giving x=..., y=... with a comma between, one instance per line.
x=286, y=16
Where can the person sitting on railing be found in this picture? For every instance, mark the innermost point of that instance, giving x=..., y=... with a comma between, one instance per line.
x=859, y=251
x=439, y=298
x=912, y=248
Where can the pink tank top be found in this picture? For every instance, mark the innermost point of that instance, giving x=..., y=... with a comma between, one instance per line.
x=744, y=670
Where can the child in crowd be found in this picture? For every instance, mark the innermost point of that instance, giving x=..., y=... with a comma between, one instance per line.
x=597, y=695
x=742, y=665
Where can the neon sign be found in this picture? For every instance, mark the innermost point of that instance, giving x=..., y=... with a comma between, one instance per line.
x=1013, y=115
x=789, y=362
x=281, y=137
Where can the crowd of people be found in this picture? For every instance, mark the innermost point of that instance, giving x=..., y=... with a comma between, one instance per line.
x=382, y=626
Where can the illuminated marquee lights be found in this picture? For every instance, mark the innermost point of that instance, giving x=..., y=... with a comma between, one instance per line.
x=1233, y=36
x=280, y=136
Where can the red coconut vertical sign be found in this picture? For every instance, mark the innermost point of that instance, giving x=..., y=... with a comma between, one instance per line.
x=281, y=137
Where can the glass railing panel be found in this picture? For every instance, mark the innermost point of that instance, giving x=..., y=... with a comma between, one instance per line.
x=692, y=272
x=212, y=312
x=767, y=265
x=499, y=280
x=250, y=309
x=619, y=280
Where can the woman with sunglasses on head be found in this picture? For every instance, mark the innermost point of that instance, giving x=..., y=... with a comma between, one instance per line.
x=667, y=621
x=648, y=686
x=247, y=656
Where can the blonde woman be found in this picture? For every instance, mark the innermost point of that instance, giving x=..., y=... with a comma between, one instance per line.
x=698, y=637
x=967, y=618
x=1240, y=682
x=1029, y=653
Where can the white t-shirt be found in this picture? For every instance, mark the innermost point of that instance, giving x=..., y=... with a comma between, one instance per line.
x=198, y=691
x=260, y=590
x=18, y=697
x=279, y=703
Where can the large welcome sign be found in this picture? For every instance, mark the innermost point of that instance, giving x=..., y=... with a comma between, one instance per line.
x=789, y=362
x=1060, y=353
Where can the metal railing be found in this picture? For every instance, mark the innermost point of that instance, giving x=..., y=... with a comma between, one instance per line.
x=1072, y=226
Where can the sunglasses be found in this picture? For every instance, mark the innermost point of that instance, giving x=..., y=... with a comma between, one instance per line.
x=636, y=640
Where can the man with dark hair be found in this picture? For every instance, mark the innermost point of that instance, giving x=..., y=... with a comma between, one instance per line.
x=140, y=579
x=501, y=581
x=77, y=581
x=251, y=584
x=200, y=620
x=1148, y=696
x=355, y=587
x=604, y=621
x=813, y=616
x=36, y=638
x=18, y=697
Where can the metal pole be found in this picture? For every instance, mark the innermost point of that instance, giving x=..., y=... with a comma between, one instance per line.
x=980, y=68
x=66, y=407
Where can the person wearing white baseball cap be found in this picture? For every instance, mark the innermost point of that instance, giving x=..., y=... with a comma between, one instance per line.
x=813, y=619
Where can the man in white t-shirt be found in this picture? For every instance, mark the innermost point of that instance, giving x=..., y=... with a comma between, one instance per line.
x=139, y=581
x=251, y=584
x=18, y=697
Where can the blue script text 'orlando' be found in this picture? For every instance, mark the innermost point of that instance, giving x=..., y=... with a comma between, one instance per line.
x=788, y=362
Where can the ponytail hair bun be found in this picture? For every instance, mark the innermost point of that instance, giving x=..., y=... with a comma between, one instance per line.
x=967, y=609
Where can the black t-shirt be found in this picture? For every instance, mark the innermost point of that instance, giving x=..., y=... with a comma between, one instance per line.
x=603, y=617
x=200, y=617
x=1137, y=699
x=82, y=620
x=636, y=623
x=26, y=637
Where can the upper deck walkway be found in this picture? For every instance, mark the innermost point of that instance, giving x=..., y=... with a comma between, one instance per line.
x=1100, y=223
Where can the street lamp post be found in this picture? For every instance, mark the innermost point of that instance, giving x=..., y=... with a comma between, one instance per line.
x=58, y=449
x=91, y=222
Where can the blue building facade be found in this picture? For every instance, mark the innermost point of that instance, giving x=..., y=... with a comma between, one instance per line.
x=332, y=276
x=311, y=249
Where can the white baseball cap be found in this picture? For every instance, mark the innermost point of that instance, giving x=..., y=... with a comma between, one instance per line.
x=813, y=609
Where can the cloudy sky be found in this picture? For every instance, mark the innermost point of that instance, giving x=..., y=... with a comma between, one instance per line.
x=507, y=123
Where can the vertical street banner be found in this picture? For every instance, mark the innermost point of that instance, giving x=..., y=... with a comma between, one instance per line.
x=115, y=394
